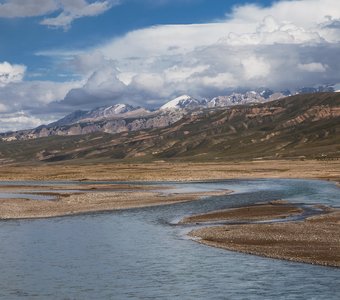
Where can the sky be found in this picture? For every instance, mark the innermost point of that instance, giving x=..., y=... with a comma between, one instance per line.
x=58, y=56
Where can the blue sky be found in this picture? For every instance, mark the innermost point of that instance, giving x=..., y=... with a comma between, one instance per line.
x=57, y=56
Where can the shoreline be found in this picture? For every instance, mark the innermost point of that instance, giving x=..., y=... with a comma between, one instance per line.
x=314, y=239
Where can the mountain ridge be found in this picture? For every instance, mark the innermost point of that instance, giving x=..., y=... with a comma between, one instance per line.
x=124, y=117
x=302, y=126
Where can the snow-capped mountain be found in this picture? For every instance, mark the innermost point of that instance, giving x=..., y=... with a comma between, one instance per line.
x=124, y=117
x=245, y=98
x=182, y=102
x=114, y=111
x=109, y=111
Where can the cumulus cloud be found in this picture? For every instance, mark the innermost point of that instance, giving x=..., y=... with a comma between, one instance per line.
x=11, y=73
x=67, y=10
x=274, y=46
x=270, y=31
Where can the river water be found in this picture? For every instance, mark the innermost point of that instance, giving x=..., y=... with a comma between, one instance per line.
x=141, y=254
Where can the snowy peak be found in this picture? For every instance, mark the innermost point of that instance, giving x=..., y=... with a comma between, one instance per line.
x=182, y=102
x=259, y=96
x=110, y=111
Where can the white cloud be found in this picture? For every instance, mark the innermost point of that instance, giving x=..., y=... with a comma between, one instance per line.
x=34, y=95
x=76, y=9
x=220, y=81
x=303, y=13
x=149, y=82
x=168, y=40
x=270, y=32
x=252, y=46
x=11, y=73
x=19, y=120
x=289, y=22
x=178, y=73
x=68, y=10
x=255, y=67
x=313, y=67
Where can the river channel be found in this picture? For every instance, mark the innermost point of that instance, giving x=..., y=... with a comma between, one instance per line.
x=143, y=254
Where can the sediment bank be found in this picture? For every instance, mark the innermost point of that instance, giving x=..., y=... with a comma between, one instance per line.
x=315, y=240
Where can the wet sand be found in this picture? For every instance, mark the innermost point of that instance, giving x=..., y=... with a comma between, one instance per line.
x=315, y=240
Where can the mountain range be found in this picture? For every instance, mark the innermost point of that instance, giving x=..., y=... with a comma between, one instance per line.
x=300, y=126
x=123, y=117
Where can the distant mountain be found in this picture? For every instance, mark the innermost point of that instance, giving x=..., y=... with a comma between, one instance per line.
x=183, y=102
x=245, y=98
x=319, y=89
x=300, y=126
x=126, y=118
x=105, y=112
x=69, y=119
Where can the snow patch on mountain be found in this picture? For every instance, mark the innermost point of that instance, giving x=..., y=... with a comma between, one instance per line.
x=182, y=102
x=113, y=110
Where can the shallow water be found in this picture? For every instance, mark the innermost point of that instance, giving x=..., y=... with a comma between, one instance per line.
x=139, y=254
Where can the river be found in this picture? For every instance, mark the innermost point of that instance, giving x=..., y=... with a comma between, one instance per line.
x=142, y=254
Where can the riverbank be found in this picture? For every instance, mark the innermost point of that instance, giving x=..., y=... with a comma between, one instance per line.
x=315, y=240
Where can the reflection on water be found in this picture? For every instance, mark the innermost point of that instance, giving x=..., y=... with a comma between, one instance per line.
x=138, y=254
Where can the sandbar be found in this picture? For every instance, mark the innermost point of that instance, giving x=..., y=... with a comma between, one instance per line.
x=314, y=240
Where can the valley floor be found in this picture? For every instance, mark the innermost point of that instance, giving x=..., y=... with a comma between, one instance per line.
x=174, y=171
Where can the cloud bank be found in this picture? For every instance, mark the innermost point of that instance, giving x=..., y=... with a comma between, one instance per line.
x=278, y=47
